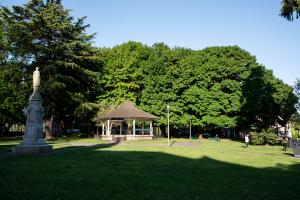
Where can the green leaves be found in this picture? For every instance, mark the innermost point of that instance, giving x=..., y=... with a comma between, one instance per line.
x=266, y=99
x=122, y=72
x=204, y=84
x=290, y=9
x=220, y=87
x=12, y=103
x=43, y=34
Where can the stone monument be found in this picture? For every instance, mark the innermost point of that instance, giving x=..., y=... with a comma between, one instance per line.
x=33, y=141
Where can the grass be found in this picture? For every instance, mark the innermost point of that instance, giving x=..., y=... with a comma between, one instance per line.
x=150, y=170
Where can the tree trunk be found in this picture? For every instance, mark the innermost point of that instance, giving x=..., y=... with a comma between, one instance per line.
x=1, y=131
x=49, y=135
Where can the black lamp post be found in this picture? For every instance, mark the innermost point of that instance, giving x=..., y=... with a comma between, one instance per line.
x=190, y=127
x=168, y=130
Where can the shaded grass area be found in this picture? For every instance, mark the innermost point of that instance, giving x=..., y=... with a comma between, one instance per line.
x=7, y=143
x=151, y=170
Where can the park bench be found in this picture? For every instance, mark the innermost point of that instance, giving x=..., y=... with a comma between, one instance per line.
x=206, y=135
x=217, y=139
x=209, y=137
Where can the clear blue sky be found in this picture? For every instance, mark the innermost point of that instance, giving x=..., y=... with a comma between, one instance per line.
x=253, y=25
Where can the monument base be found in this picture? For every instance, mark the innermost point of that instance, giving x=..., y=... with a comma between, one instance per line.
x=32, y=149
x=297, y=152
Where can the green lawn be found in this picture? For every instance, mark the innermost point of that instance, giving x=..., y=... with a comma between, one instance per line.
x=150, y=170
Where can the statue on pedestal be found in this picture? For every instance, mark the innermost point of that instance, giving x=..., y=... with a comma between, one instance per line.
x=36, y=79
x=34, y=137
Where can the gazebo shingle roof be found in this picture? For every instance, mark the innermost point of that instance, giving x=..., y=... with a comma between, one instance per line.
x=127, y=110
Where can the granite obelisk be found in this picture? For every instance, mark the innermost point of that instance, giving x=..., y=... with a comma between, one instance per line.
x=33, y=141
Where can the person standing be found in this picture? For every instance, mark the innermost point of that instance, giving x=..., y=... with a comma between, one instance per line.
x=285, y=143
x=247, y=140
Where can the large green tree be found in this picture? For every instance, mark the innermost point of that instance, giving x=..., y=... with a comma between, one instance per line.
x=122, y=72
x=215, y=96
x=219, y=87
x=165, y=78
x=205, y=85
x=43, y=34
x=266, y=99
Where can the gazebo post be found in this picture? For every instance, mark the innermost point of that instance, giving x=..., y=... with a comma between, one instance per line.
x=133, y=127
x=151, y=128
x=108, y=127
x=120, y=128
x=102, y=128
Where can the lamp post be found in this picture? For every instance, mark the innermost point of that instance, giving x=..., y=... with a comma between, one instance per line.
x=190, y=128
x=168, y=130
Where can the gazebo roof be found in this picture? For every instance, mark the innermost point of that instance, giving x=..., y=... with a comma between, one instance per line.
x=127, y=110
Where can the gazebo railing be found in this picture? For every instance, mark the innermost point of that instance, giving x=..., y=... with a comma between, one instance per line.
x=138, y=131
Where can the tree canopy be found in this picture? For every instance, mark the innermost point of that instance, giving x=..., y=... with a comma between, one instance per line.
x=219, y=87
x=290, y=9
x=122, y=72
x=43, y=34
x=12, y=100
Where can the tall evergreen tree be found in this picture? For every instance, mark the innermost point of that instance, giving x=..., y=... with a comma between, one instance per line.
x=11, y=88
x=43, y=34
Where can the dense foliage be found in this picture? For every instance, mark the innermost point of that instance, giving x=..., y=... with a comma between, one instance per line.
x=266, y=136
x=12, y=99
x=219, y=87
x=290, y=9
x=43, y=34
x=122, y=72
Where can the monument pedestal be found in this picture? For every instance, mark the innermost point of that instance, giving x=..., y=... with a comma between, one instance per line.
x=32, y=149
x=33, y=141
x=297, y=151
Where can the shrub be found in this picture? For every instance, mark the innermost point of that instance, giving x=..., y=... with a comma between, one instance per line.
x=257, y=138
x=296, y=132
x=270, y=136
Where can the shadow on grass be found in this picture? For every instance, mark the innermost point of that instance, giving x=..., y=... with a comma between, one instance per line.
x=288, y=153
x=7, y=143
x=6, y=148
x=97, y=172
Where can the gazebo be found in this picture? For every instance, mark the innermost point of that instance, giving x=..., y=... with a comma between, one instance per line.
x=114, y=123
